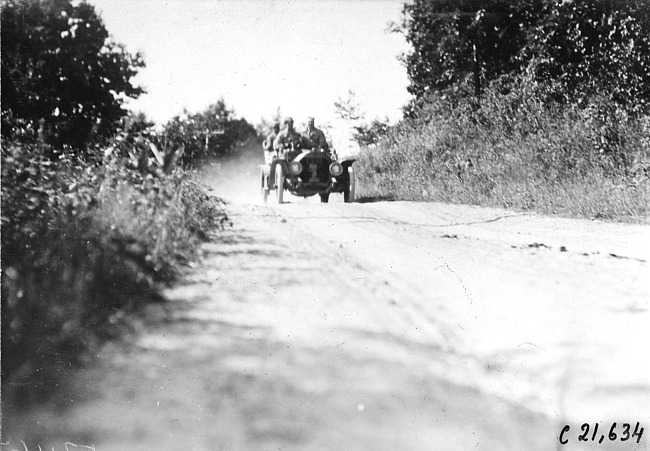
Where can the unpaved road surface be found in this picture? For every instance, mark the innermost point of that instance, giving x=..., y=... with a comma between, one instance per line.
x=377, y=326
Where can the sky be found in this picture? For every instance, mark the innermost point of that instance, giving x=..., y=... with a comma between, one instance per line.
x=298, y=55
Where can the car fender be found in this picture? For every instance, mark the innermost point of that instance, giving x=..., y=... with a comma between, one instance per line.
x=347, y=163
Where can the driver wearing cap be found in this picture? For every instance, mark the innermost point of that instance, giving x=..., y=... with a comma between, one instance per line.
x=289, y=139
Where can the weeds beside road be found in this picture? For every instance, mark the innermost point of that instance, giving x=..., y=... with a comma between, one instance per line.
x=84, y=241
x=519, y=149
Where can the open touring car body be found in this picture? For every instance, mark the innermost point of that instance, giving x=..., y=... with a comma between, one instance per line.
x=306, y=173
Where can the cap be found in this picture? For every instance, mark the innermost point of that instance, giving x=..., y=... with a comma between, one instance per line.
x=287, y=120
x=310, y=119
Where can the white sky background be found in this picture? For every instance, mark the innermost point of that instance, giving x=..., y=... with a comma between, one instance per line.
x=299, y=55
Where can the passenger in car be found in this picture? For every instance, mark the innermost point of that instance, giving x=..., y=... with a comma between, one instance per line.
x=289, y=140
x=315, y=137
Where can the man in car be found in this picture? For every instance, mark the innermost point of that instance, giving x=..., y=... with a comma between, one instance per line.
x=289, y=140
x=315, y=137
x=269, y=142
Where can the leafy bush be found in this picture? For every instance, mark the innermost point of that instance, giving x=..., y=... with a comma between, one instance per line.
x=83, y=242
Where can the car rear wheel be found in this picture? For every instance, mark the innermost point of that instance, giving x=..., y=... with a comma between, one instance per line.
x=324, y=198
x=264, y=188
x=279, y=183
x=348, y=194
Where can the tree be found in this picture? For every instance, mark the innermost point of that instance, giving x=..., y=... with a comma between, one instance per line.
x=349, y=108
x=265, y=125
x=60, y=67
x=458, y=40
x=214, y=131
x=594, y=47
x=585, y=47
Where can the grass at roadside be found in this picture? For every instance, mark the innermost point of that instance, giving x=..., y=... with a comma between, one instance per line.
x=517, y=150
x=85, y=242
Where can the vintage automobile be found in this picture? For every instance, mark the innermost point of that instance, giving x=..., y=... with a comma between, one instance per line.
x=306, y=172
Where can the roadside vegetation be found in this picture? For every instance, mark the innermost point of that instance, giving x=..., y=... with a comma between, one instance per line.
x=99, y=207
x=540, y=105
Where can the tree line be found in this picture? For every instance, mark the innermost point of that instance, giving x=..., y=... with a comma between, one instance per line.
x=65, y=82
x=577, y=48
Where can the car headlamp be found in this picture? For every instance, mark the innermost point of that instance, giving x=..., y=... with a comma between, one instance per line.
x=295, y=168
x=336, y=169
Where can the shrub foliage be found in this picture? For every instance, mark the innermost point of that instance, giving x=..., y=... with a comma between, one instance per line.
x=84, y=240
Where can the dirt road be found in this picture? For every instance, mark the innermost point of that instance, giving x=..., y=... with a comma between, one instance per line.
x=378, y=326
